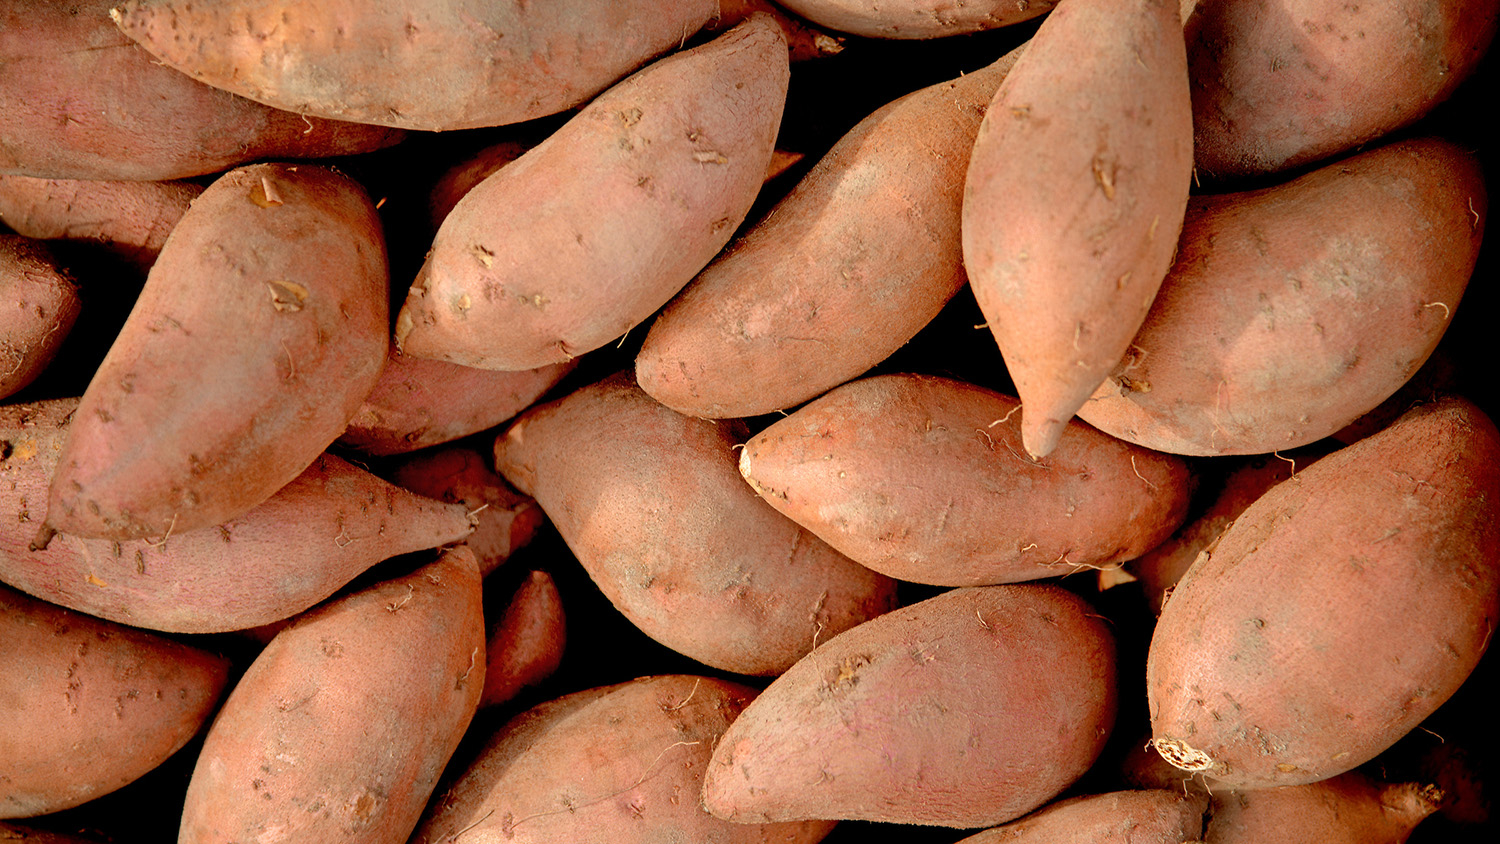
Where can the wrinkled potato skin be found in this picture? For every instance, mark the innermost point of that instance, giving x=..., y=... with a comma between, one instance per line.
x=1121, y=817
x=39, y=304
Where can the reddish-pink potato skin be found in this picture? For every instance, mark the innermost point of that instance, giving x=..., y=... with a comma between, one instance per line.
x=261, y=328
x=130, y=219
x=965, y=710
x=87, y=706
x=924, y=479
x=1338, y=611
x=1294, y=309
x=79, y=100
x=298, y=547
x=435, y=65
x=38, y=305
x=462, y=177
x=527, y=645
x=917, y=18
x=619, y=763
x=504, y=520
x=1120, y=817
x=340, y=728
x=1075, y=193
x=650, y=503
x=861, y=255
x=803, y=40
x=1278, y=84
x=590, y=232
x=1347, y=809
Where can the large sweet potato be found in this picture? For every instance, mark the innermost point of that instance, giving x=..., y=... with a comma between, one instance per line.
x=969, y=709
x=38, y=305
x=129, y=219
x=924, y=479
x=1294, y=309
x=87, y=706
x=261, y=328
x=434, y=65
x=1075, y=194
x=650, y=503
x=1339, y=610
x=1120, y=817
x=79, y=100
x=587, y=234
x=340, y=728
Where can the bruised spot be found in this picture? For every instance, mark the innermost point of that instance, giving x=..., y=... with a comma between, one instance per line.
x=287, y=296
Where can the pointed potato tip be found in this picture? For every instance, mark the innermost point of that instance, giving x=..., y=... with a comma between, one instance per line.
x=1040, y=438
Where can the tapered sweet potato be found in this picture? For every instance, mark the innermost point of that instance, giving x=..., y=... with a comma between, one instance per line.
x=261, y=328
x=803, y=40
x=924, y=479
x=435, y=65
x=1339, y=610
x=527, y=644
x=1075, y=194
x=340, y=728
x=1294, y=309
x=650, y=503
x=504, y=520
x=465, y=175
x=587, y=234
x=620, y=763
x=38, y=305
x=1283, y=83
x=79, y=100
x=969, y=709
x=286, y=554
x=1347, y=809
x=130, y=219
x=861, y=254
x=1121, y=817
x=88, y=705
x=917, y=18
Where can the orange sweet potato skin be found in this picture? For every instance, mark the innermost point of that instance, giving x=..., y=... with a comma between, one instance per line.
x=861, y=255
x=130, y=219
x=650, y=503
x=1121, y=817
x=619, y=763
x=917, y=18
x=965, y=710
x=1338, y=611
x=88, y=705
x=334, y=733
x=609, y=217
x=1294, y=309
x=286, y=554
x=924, y=479
x=1284, y=84
x=261, y=328
x=1346, y=809
x=527, y=645
x=79, y=100
x=38, y=305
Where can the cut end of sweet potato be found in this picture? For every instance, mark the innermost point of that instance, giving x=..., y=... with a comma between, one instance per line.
x=1182, y=755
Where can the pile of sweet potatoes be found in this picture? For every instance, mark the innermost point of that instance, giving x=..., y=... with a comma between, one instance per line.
x=721, y=420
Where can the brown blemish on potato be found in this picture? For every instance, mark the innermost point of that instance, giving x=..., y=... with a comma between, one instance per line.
x=710, y=157
x=486, y=257
x=287, y=296
x=1182, y=755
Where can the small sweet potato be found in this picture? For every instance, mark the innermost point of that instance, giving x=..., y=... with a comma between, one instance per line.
x=917, y=18
x=435, y=65
x=261, y=328
x=527, y=644
x=129, y=219
x=340, y=728
x=1294, y=309
x=79, y=100
x=620, y=763
x=504, y=520
x=281, y=557
x=464, y=176
x=1339, y=610
x=924, y=479
x=965, y=710
x=590, y=232
x=1346, y=809
x=1120, y=817
x=650, y=503
x=38, y=305
x=88, y=705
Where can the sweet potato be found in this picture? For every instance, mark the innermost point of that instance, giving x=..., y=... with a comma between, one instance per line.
x=923, y=479
x=1121, y=817
x=286, y=554
x=465, y=175
x=1294, y=309
x=129, y=219
x=261, y=328
x=88, y=705
x=340, y=728
x=79, y=100
x=650, y=503
x=966, y=710
x=1075, y=193
x=1347, y=809
x=917, y=18
x=620, y=763
x=435, y=65
x=527, y=645
x=1339, y=610
x=1279, y=84
x=504, y=520
x=861, y=254
x=587, y=234
x=40, y=304
x=803, y=40
x=11, y=832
